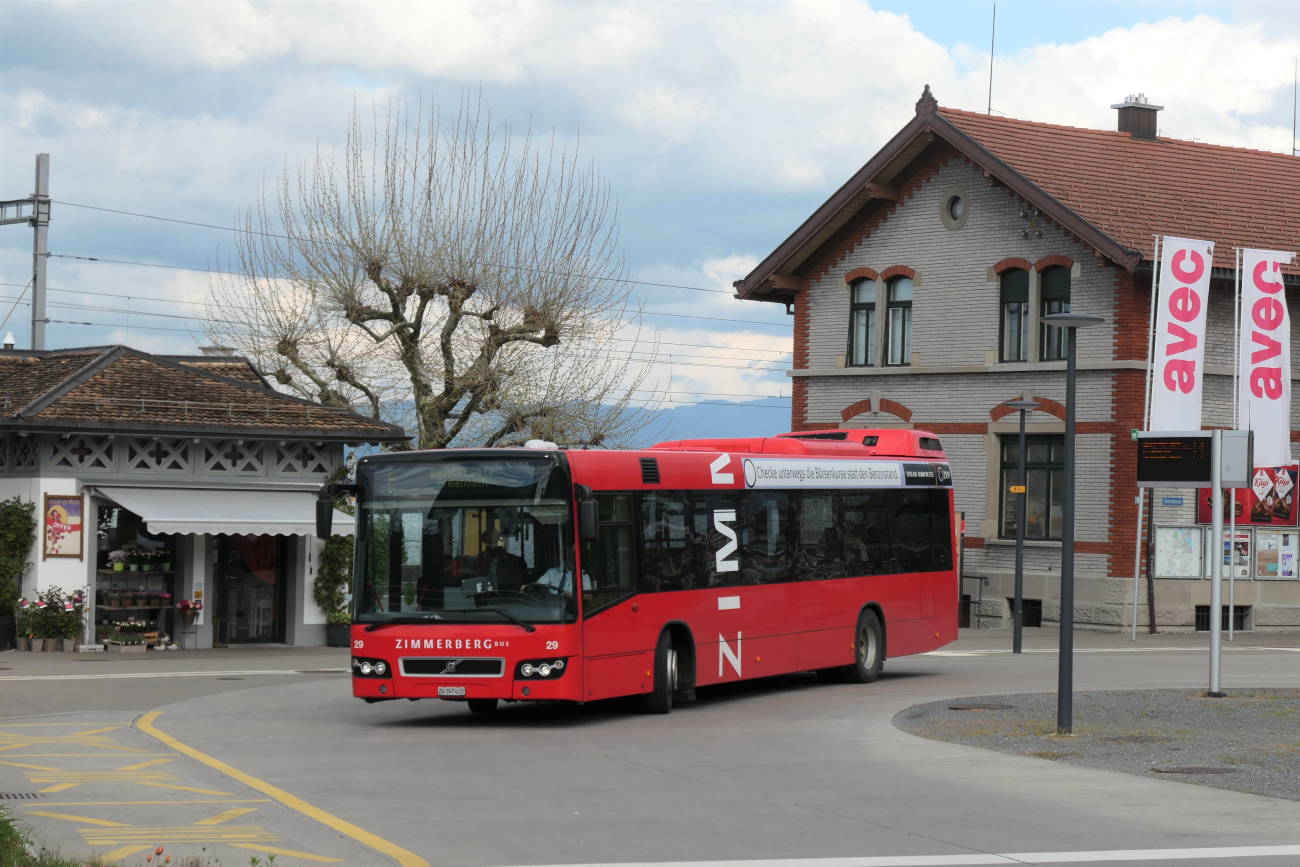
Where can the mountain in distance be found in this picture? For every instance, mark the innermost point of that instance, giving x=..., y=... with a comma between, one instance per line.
x=754, y=418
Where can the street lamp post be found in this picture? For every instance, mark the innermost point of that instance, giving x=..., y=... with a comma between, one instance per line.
x=1071, y=322
x=1017, y=613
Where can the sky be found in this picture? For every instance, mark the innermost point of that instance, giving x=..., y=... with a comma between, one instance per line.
x=720, y=126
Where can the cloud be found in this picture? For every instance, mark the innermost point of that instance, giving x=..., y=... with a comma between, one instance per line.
x=720, y=125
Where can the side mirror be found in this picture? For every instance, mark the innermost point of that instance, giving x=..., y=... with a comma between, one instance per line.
x=588, y=514
x=324, y=517
x=588, y=520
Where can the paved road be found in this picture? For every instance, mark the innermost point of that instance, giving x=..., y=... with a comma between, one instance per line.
x=780, y=769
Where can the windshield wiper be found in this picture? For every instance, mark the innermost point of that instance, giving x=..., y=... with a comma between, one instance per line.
x=426, y=618
x=528, y=627
x=402, y=621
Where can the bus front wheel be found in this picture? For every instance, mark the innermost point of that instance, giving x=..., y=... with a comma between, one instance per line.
x=868, y=653
x=660, y=699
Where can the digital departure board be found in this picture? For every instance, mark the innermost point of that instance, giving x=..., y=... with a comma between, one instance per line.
x=1174, y=461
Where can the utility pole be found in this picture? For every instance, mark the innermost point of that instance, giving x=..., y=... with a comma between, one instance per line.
x=40, y=248
x=35, y=212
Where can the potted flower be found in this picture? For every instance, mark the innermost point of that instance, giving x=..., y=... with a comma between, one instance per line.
x=23, y=624
x=338, y=626
x=118, y=559
x=189, y=608
x=111, y=598
x=166, y=558
x=155, y=599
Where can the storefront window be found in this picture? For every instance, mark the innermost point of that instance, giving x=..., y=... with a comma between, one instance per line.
x=135, y=580
x=1044, y=484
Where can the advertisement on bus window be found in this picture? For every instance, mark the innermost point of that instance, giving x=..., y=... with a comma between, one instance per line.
x=1270, y=499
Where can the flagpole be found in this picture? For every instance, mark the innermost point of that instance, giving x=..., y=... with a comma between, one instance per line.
x=1146, y=409
x=1232, y=496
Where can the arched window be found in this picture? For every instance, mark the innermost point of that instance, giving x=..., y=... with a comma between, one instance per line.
x=862, y=324
x=1054, y=287
x=1014, y=336
x=898, y=322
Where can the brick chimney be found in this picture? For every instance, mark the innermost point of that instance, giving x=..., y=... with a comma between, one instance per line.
x=1137, y=117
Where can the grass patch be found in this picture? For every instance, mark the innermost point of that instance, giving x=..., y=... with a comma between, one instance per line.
x=1052, y=754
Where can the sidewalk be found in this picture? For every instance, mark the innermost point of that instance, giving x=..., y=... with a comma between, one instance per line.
x=1048, y=638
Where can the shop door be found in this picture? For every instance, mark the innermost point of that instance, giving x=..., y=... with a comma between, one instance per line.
x=250, y=584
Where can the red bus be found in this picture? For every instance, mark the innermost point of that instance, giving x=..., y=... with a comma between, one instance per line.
x=537, y=574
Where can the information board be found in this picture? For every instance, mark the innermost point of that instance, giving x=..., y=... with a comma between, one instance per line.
x=1174, y=461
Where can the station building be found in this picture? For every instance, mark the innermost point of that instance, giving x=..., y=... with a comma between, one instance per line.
x=916, y=291
x=193, y=465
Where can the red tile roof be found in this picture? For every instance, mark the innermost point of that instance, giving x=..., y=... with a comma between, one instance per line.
x=1132, y=189
x=112, y=387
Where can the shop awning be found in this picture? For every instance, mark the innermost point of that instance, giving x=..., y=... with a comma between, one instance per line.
x=191, y=510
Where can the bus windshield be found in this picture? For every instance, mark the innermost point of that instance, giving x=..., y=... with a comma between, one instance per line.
x=464, y=541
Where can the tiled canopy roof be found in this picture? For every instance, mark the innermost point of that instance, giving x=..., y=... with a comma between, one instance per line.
x=1133, y=189
x=120, y=388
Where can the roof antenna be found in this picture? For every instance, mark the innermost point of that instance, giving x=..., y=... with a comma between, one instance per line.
x=992, y=40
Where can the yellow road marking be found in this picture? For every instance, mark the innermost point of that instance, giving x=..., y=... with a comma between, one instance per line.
x=44, y=725
x=177, y=834
x=32, y=767
x=56, y=776
x=379, y=844
x=151, y=803
x=288, y=853
x=96, y=731
x=227, y=816
x=143, y=765
x=59, y=788
x=124, y=852
x=186, y=789
x=49, y=815
x=73, y=755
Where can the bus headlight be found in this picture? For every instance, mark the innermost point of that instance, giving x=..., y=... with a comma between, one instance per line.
x=370, y=668
x=545, y=669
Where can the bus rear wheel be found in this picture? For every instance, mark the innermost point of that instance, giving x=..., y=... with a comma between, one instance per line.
x=660, y=699
x=868, y=652
x=482, y=705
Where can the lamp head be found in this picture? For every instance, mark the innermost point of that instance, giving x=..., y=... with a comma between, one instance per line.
x=1072, y=320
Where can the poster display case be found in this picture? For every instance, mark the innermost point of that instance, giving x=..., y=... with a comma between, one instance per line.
x=1241, y=564
x=1275, y=555
x=1179, y=552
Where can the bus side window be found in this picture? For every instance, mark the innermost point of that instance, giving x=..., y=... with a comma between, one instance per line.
x=912, y=534
x=610, y=560
x=669, y=554
x=864, y=526
x=764, y=523
x=820, y=551
x=941, y=541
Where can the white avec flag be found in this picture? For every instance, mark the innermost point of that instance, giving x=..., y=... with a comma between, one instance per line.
x=1180, y=334
x=1266, y=356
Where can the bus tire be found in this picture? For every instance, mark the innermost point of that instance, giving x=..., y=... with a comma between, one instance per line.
x=868, y=653
x=660, y=699
x=482, y=705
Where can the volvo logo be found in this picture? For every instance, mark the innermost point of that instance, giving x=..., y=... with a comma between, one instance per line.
x=451, y=666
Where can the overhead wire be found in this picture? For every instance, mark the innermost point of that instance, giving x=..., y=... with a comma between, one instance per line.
x=288, y=238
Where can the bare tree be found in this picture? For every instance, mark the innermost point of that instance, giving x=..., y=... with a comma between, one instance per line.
x=447, y=276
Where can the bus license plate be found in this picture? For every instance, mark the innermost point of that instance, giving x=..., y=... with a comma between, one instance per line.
x=451, y=690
